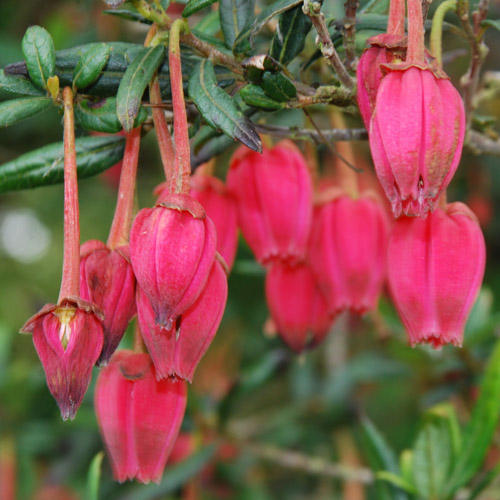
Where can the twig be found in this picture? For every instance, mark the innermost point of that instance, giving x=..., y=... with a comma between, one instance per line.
x=351, y=7
x=482, y=144
x=349, y=134
x=312, y=465
x=312, y=9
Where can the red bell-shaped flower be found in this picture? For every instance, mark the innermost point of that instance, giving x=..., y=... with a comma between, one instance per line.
x=436, y=266
x=139, y=417
x=172, y=249
x=179, y=350
x=273, y=191
x=348, y=251
x=107, y=280
x=297, y=305
x=68, y=339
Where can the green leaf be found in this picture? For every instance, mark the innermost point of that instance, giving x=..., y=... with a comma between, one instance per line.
x=447, y=413
x=209, y=24
x=234, y=16
x=491, y=23
x=481, y=426
x=432, y=458
x=278, y=87
x=218, y=108
x=45, y=166
x=212, y=147
x=484, y=481
x=195, y=5
x=244, y=40
x=127, y=11
x=101, y=116
x=16, y=86
x=94, y=476
x=90, y=65
x=396, y=480
x=134, y=82
x=18, y=109
x=290, y=36
x=39, y=54
x=253, y=95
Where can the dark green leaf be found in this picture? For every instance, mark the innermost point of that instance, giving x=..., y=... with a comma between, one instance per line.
x=244, y=40
x=90, y=65
x=484, y=482
x=234, y=16
x=278, y=87
x=481, y=427
x=134, y=82
x=432, y=457
x=212, y=147
x=18, y=109
x=218, y=108
x=491, y=23
x=290, y=35
x=253, y=95
x=129, y=12
x=209, y=24
x=398, y=481
x=16, y=86
x=39, y=54
x=101, y=116
x=45, y=166
x=94, y=476
x=195, y=5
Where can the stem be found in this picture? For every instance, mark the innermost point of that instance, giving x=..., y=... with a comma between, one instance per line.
x=396, y=23
x=165, y=144
x=437, y=29
x=70, y=283
x=351, y=7
x=180, y=180
x=415, y=54
x=122, y=220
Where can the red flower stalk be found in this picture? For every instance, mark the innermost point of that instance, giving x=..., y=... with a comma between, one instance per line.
x=139, y=417
x=273, y=192
x=179, y=350
x=417, y=129
x=297, y=305
x=68, y=336
x=436, y=266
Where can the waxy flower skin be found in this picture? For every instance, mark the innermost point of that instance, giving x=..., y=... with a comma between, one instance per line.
x=179, y=350
x=273, y=191
x=139, y=417
x=436, y=266
x=172, y=249
x=68, y=339
x=297, y=305
x=108, y=281
x=348, y=251
x=416, y=137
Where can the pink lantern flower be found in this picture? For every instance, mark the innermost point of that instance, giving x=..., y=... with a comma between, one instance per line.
x=273, y=191
x=436, y=266
x=139, y=417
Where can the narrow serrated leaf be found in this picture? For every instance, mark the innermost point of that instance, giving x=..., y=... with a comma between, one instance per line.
x=290, y=35
x=244, y=40
x=101, y=116
x=45, y=166
x=234, y=16
x=479, y=431
x=218, y=108
x=195, y=5
x=90, y=65
x=93, y=477
x=16, y=86
x=16, y=110
x=134, y=82
x=39, y=54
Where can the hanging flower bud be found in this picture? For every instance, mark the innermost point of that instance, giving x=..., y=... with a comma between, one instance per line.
x=139, y=417
x=348, y=252
x=172, y=249
x=221, y=208
x=107, y=280
x=273, y=192
x=417, y=129
x=297, y=305
x=436, y=266
x=179, y=350
x=68, y=339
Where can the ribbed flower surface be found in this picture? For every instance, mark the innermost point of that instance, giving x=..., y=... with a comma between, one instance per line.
x=273, y=191
x=139, y=417
x=416, y=137
x=436, y=266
